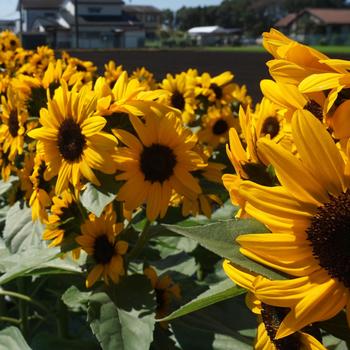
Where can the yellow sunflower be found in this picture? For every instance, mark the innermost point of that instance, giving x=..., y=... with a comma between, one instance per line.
x=14, y=119
x=270, y=317
x=64, y=219
x=9, y=41
x=112, y=72
x=309, y=217
x=157, y=163
x=71, y=139
x=181, y=95
x=215, y=126
x=145, y=78
x=99, y=239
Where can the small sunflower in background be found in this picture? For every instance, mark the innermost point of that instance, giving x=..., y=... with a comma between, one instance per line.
x=145, y=78
x=99, y=238
x=270, y=317
x=218, y=90
x=112, y=72
x=71, y=139
x=156, y=163
x=215, y=126
x=14, y=118
x=181, y=95
x=64, y=221
x=9, y=41
x=166, y=291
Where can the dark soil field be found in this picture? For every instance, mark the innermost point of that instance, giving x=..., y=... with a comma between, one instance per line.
x=249, y=67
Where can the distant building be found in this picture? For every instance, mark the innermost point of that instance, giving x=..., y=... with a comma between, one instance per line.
x=317, y=26
x=149, y=16
x=214, y=35
x=101, y=24
x=9, y=24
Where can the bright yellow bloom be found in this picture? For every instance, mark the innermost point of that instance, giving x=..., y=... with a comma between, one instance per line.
x=99, y=239
x=309, y=216
x=145, y=78
x=269, y=316
x=71, y=139
x=156, y=163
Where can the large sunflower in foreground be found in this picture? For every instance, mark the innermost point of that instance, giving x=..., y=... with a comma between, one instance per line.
x=270, y=317
x=71, y=139
x=309, y=217
x=99, y=240
x=157, y=163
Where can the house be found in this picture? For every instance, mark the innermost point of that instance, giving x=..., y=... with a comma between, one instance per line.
x=318, y=26
x=9, y=24
x=214, y=35
x=81, y=23
x=150, y=16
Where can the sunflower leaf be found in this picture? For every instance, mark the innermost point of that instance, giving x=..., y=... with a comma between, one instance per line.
x=219, y=237
x=11, y=338
x=20, y=232
x=218, y=292
x=124, y=318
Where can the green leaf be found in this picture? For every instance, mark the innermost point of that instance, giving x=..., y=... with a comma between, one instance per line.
x=219, y=237
x=218, y=292
x=76, y=299
x=337, y=326
x=25, y=262
x=127, y=322
x=20, y=232
x=11, y=338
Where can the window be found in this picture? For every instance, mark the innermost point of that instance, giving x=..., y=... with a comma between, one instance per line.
x=49, y=14
x=94, y=9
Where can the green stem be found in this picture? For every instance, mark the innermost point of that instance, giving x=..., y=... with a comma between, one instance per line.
x=23, y=308
x=10, y=320
x=62, y=320
x=24, y=298
x=141, y=242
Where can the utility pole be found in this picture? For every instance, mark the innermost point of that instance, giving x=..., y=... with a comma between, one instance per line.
x=76, y=24
x=20, y=19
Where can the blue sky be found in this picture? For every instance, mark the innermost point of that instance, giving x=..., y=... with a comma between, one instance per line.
x=8, y=7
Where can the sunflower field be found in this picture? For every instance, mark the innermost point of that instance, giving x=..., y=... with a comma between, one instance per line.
x=179, y=214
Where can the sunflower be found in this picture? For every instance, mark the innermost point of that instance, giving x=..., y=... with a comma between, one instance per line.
x=64, y=220
x=309, y=217
x=9, y=41
x=218, y=89
x=270, y=317
x=40, y=197
x=112, y=72
x=71, y=140
x=166, y=291
x=145, y=78
x=14, y=119
x=157, y=163
x=215, y=126
x=293, y=61
x=181, y=95
x=99, y=239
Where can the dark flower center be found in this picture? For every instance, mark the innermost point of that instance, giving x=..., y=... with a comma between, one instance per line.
x=13, y=42
x=220, y=127
x=13, y=123
x=272, y=317
x=81, y=68
x=329, y=234
x=259, y=174
x=271, y=126
x=44, y=185
x=103, y=250
x=157, y=163
x=177, y=100
x=217, y=90
x=71, y=141
x=315, y=109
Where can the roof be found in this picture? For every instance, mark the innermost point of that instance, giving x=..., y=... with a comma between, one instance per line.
x=40, y=4
x=287, y=20
x=141, y=9
x=330, y=16
x=58, y=23
x=213, y=30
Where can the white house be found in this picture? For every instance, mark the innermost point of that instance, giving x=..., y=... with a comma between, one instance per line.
x=101, y=24
x=214, y=35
